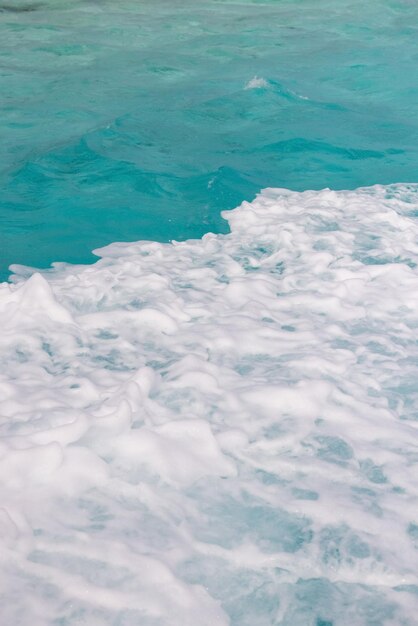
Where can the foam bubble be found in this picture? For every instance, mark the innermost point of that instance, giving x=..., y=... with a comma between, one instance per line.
x=256, y=83
x=218, y=431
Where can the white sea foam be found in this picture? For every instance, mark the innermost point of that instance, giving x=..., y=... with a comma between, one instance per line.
x=256, y=83
x=220, y=431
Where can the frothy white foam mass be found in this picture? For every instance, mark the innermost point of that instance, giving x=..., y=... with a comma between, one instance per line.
x=220, y=431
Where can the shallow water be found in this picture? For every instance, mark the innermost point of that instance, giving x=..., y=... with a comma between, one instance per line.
x=143, y=120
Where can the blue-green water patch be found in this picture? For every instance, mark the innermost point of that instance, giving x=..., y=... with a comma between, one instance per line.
x=127, y=120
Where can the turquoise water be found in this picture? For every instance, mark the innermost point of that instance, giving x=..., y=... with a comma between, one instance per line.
x=131, y=120
x=222, y=431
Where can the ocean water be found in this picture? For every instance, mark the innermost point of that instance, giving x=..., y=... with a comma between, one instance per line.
x=218, y=431
x=125, y=120
x=223, y=430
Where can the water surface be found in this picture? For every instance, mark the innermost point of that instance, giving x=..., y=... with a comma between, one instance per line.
x=142, y=120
